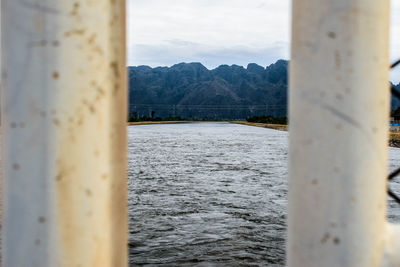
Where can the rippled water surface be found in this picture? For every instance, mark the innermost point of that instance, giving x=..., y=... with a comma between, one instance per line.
x=210, y=194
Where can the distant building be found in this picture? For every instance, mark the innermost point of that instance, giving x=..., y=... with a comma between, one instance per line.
x=395, y=120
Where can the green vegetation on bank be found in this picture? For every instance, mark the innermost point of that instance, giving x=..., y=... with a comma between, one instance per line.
x=152, y=118
x=268, y=119
x=256, y=119
x=169, y=119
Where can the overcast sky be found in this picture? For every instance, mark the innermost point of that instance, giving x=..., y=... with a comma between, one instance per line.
x=215, y=32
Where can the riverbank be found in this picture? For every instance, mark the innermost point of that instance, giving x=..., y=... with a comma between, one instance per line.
x=394, y=137
x=155, y=122
x=168, y=122
x=279, y=127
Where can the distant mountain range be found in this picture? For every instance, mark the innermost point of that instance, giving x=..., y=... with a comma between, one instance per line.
x=191, y=91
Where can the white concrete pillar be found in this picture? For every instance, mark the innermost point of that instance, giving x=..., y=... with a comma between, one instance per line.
x=64, y=133
x=339, y=112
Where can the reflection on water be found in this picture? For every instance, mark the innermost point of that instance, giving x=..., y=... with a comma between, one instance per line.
x=209, y=194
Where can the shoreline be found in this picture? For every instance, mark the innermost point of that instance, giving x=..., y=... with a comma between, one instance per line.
x=278, y=127
x=394, y=137
x=155, y=122
x=168, y=122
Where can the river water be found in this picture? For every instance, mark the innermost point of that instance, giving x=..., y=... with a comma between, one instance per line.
x=210, y=194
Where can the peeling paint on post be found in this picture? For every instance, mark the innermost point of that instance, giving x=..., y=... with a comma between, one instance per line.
x=64, y=113
x=339, y=110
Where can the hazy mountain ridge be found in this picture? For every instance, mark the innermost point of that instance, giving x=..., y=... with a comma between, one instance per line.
x=395, y=102
x=190, y=90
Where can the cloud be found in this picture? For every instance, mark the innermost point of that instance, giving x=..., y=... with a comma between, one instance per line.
x=214, y=32
x=395, y=38
x=174, y=51
x=208, y=31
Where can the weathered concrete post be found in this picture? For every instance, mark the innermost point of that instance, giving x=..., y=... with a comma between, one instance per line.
x=339, y=106
x=64, y=113
x=339, y=110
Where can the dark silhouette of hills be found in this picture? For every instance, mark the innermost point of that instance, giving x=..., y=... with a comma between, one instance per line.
x=395, y=102
x=191, y=91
